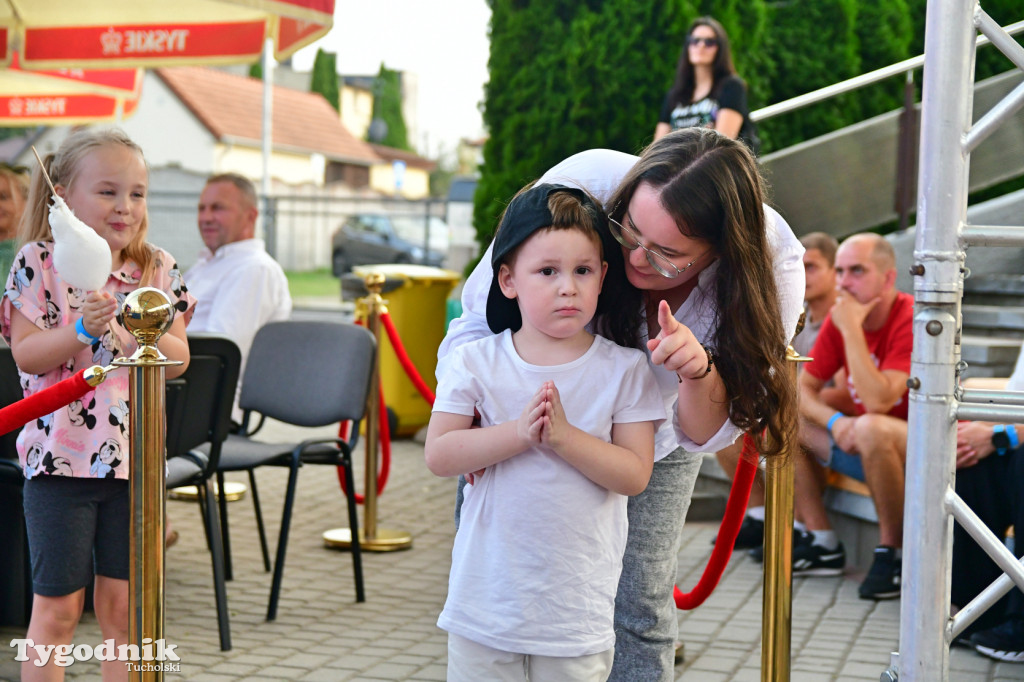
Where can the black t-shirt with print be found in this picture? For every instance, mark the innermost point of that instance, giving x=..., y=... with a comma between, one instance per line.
x=731, y=94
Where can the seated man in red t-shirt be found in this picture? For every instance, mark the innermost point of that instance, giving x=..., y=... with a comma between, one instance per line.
x=868, y=333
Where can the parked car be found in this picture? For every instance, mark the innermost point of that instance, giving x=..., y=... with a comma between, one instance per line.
x=370, y=238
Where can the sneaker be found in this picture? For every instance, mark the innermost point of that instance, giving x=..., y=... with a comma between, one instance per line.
x=1004, y=642
x=751, y=534
x=757, y=553
x=810, y=559
x=883, y=580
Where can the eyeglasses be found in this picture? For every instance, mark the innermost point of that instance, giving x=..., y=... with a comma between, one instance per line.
x=694, y=41
x=659, y=261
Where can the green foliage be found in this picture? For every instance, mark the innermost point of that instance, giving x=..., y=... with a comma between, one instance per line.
x=567, y=76
x=387, y=106
x=256, y=71
x=884, y=33
x=325, y=78
x=313, y=284
x=916, y=9
x=990, y=60
x=746, y=23
x=813, y=44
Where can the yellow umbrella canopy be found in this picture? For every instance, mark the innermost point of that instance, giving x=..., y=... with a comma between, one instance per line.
x=53, y=34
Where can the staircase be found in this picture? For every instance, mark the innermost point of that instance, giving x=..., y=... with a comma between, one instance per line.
x=993, y=301
x=993, y=324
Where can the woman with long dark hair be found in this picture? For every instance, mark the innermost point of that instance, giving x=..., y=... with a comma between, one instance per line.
x=706, y=92
x=695, y=235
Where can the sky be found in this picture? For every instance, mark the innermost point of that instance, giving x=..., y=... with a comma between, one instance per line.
x=444, y=43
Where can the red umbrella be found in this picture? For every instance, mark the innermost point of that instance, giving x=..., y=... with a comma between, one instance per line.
x=141, y=33
x=66, y=96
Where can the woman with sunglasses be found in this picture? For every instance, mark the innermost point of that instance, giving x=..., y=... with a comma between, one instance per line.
x=707, y=93
x=696, y=236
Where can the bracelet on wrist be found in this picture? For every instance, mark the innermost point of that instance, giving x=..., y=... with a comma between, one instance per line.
x=711, y=363
x=83, y=335
x=832, y=421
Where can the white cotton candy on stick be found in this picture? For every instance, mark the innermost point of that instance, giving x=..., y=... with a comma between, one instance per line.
x=80, y=255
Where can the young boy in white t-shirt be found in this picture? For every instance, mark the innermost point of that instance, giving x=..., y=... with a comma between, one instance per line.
x=567, y=432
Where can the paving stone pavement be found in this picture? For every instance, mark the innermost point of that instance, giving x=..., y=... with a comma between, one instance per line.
x=322, y=634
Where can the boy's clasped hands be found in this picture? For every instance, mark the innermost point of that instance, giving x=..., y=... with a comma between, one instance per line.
x=543, y=420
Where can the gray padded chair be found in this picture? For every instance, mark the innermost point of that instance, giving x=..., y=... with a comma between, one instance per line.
x=306, y=374
x=199, y=412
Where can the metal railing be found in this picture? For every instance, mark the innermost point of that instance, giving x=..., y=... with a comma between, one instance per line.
x=871, y=77
x=297, y=228
x=876, y=158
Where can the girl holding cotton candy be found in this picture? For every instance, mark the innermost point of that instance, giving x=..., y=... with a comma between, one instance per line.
x=84, y=249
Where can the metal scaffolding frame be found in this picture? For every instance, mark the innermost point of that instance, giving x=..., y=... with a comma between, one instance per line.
x=936, y=399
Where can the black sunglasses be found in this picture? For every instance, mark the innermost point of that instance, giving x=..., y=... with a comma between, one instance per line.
x=693, y=41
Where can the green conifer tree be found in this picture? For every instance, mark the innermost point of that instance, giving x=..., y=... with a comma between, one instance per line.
x=567, y=76
x=813, y=44
x=387, y=107
x=325, y=78
x=884, y=33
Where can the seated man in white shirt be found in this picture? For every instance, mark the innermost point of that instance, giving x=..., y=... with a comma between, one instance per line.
x=239, y=287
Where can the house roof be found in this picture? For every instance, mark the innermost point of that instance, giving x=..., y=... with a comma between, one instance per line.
x=231, y=108
x=410, y=159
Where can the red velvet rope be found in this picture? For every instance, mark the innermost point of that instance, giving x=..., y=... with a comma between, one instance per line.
x=406, y=362
x=37, y=405
x=385, y=433
x=385, y=445
x=735, y=509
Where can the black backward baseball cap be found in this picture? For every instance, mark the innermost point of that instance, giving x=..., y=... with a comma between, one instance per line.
x=526, y=213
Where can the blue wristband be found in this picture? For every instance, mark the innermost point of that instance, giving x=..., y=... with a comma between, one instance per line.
x=832, y=420
x=1011, y=431
x=83, y=335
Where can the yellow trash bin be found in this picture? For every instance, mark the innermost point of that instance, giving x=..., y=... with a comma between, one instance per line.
x=418, y=308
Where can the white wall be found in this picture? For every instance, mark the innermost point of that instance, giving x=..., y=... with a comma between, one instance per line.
x=415, y=181
x=246, y=158
x=168, y=132
x=356, y=110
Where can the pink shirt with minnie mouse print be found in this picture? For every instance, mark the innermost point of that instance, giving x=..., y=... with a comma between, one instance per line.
x=89, y=437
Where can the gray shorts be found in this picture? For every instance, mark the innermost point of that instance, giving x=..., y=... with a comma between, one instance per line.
x=77, y=528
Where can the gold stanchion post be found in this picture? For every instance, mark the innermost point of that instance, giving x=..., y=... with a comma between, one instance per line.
x=147, y=314
x=371, y=538
x=777, y=607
